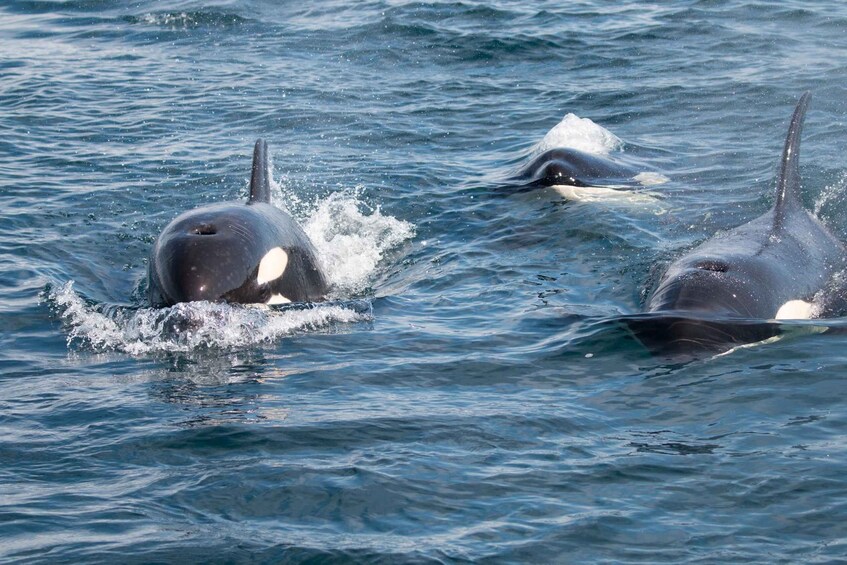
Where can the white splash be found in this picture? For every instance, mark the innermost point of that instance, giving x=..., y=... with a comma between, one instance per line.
x=832, y=196
x=352, y=239
x=182, y=19
x=581, y=134
x=189, y=326
x=351, y=236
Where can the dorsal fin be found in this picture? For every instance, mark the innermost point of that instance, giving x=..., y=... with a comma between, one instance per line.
x=788, y=182
x=260, y=180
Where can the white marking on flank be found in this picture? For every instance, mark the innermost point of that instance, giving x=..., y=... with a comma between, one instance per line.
x=278, y=299
x=272, y=265
x=602, y=194
x=795, y=310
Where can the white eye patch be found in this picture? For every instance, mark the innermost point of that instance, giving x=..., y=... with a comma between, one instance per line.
x=795, y=310
x=272, y=265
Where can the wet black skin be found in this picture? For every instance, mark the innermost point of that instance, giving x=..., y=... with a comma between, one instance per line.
x=726, y=290
x=685, y=335
x=564, y=166
x=213, y=253
x=751, y=271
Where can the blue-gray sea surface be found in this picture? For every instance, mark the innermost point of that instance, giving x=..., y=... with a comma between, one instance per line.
x=469, y=393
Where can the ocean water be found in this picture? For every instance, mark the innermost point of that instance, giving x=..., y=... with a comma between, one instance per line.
x=469, y=393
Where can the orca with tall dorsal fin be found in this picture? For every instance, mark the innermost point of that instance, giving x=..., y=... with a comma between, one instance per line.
x=233, y=252
x=724, y=291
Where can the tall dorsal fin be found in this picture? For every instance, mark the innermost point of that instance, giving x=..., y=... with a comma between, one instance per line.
x=260, y=180
x=788, y=182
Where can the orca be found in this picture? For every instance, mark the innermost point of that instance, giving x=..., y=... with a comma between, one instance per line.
x=734, y=287
x=572, y=167
x=244, y=253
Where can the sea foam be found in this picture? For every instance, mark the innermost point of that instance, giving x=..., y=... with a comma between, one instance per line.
x=581, y=134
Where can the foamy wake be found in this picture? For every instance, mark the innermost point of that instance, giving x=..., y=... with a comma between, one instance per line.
x=191, y=326
x=351, y=238
x=581, y=134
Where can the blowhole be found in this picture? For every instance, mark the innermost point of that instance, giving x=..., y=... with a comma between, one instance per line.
x=204, y=229
x=714, y=266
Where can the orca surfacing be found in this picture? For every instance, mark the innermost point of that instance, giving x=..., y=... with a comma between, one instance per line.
x=571, y=167
x=726, y=290
x=246, y=253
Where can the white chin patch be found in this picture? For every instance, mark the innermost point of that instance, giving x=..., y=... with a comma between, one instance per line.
x=277, y=299
x=272, y=266
x=795, y=310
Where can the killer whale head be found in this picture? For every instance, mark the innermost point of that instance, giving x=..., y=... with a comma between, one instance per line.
x=769, y=268
x=247, y=252
x=572, y=167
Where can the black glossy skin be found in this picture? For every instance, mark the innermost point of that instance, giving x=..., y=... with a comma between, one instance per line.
x=685, y=334
x=748, y=273
x=751, y=271
x=213, y=253
x=575, y=168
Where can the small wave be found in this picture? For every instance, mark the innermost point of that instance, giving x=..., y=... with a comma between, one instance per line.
x=188, y=20
x=648, y=178
x=191, y=326
x=581, y=134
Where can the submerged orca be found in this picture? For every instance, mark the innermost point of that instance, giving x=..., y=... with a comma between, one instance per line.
x=726, y=290
x=571, y=167
x=233, y=252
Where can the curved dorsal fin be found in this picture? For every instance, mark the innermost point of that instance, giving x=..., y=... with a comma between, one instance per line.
x=788, y=182
x=260, y=185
